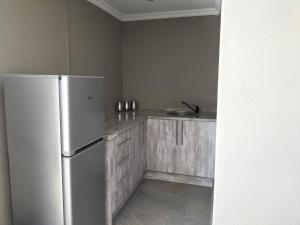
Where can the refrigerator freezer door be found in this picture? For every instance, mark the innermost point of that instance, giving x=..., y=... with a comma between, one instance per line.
x=84, y=186
x=82, y=111
x=34, y=146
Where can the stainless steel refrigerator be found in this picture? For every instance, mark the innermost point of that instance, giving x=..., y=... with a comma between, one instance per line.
x=55, y=133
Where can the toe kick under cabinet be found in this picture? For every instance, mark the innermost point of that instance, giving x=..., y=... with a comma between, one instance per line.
x=126, y=165
x=184, y=147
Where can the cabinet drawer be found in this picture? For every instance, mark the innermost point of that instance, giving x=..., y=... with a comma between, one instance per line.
x=122, y=137
x=123, y=169
x=122, y=190
x=123, y=150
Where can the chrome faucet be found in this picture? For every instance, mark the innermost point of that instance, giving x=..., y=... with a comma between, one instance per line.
x=195, y=108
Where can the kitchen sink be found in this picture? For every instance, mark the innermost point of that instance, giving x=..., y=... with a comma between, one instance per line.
x=180, y=112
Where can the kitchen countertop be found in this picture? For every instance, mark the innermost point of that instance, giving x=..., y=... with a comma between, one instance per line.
x=117, y=122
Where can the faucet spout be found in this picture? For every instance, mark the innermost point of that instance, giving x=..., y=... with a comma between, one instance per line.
x=196, y=108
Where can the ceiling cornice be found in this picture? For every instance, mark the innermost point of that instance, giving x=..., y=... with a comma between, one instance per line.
x=156, y=15
x=107, y=8
x=170, y=14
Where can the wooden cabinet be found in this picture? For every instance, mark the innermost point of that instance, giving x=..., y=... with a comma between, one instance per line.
x=161, y=145
x=126, y=164
x=122, y=166
x=197, y=149
x=139, y=162
x=171, y=146
x=181, y=147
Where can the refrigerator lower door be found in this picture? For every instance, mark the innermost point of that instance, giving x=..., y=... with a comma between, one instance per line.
x=84, y=186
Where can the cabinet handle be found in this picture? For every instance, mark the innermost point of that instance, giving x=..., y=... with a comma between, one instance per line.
x=123, y=142
x=176, y=132
x=181, y=132
x=123, y=159
x=144, y=132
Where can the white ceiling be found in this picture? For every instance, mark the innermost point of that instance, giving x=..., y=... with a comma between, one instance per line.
x=129, y=10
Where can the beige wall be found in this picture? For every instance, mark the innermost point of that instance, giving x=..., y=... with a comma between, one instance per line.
x=171, y=60
x=33, y=39
x=95, y=47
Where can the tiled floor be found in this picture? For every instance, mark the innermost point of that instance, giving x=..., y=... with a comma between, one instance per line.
x=167, y=203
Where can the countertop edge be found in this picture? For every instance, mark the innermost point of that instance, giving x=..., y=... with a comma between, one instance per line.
x=182, y=118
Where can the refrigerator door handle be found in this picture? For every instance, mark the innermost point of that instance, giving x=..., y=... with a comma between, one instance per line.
x=85, y=148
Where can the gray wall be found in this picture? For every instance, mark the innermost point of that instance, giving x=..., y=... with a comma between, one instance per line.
x=33, y=39
x=167, y=61
x=95, y=46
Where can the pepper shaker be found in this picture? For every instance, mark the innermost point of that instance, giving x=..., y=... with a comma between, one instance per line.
x=133, y=105
x=119, y=107
x=126, y=106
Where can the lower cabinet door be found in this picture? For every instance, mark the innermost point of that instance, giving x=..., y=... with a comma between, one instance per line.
x=162, y=145
x=138, y=156
x=181, y=147
x=196, y=154
x=142, y=149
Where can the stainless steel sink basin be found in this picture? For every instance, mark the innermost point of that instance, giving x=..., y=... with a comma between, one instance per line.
x=180, y=112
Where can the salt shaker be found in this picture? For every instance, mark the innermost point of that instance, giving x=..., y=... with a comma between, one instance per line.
x=126, y=106
x=133, y=105
x=119, y=106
